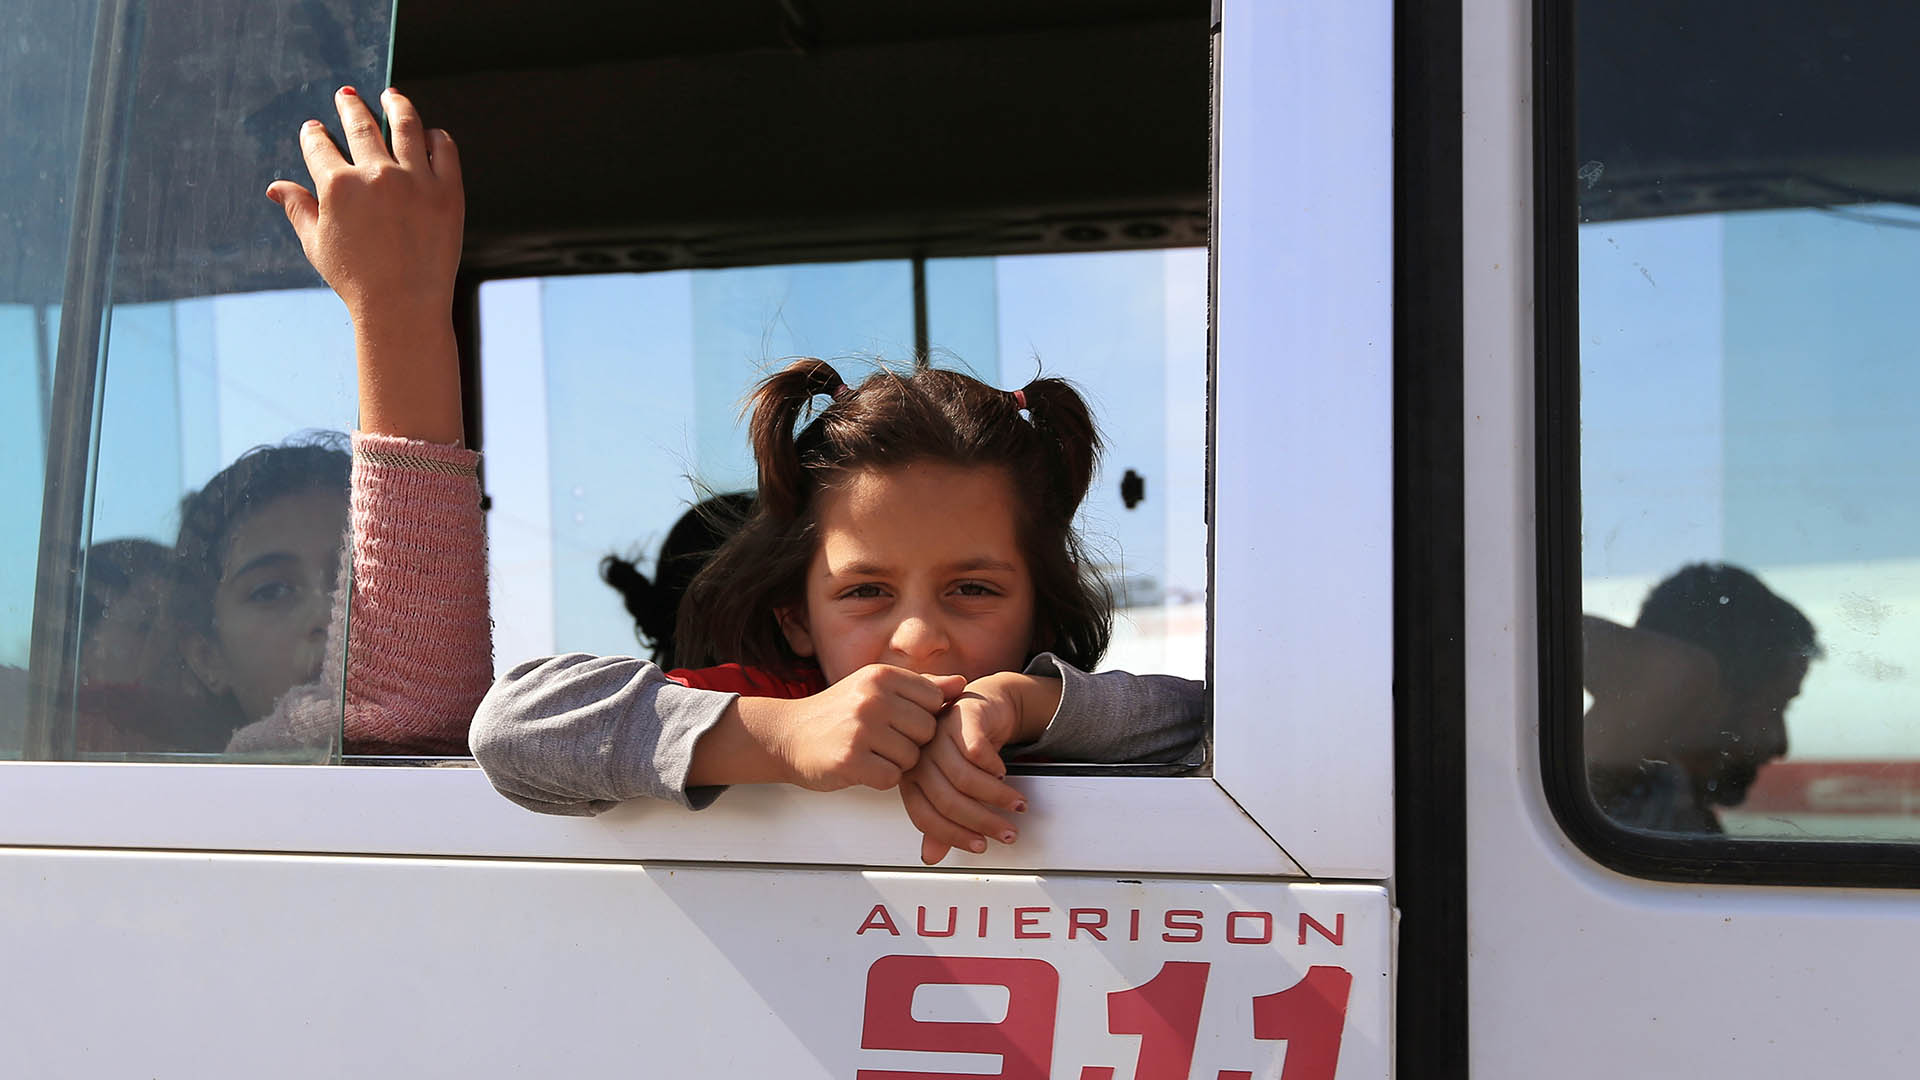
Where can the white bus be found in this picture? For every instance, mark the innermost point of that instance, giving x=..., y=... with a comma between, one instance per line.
x=1423, y=336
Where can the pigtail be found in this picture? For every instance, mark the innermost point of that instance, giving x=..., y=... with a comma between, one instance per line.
x=1061, y=416
x=776, y=406
x=653, y=613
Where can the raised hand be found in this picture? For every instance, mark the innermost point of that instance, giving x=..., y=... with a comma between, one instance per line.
x=384, y=230
x=951, y=794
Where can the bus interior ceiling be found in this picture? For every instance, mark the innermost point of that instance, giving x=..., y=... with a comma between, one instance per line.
x=1691, y=106
x=604, y=136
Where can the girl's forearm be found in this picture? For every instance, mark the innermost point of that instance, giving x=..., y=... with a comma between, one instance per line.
x=739, y=749
x=409, y=376
x=1039, y=701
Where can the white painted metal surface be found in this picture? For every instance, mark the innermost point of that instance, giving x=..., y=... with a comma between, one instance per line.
x=1161, y=825
x=1576, y=971
x=216, y=966
x=1303, y=460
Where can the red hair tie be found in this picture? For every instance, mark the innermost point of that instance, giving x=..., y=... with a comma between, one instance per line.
x=1019, y=399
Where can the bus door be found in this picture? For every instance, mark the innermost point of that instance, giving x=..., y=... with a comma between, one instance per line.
x=663, y=201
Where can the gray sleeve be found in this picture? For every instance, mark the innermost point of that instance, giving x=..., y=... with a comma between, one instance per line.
x=1116, y=717
x=576, y=734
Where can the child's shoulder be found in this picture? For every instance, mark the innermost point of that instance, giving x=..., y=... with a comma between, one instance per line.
x=753, y=682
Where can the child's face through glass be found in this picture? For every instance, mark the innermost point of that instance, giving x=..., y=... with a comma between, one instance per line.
x=920, y=567
x=271, y=608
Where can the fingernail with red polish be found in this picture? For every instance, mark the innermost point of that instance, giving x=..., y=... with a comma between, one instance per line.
x=349, y=91
x=1009, y=837
x=1020, y=808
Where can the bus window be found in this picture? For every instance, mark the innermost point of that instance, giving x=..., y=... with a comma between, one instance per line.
x=612, y=405
x=157, y=324
x=198, y=390
x=1749, y=517
x=610, y=400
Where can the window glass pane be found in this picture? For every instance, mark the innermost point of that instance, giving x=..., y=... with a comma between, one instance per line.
x=23, y=382
x=43, y=87
x=1750, y=420
x=151, y=611
x=605, y=395
x=609, y=397
x=1130, y=329
x=225, y=412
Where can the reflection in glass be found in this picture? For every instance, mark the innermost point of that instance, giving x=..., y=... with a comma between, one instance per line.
x=1746, y=397
x=1690, y=702
x=1750, y=417
x=188, y=570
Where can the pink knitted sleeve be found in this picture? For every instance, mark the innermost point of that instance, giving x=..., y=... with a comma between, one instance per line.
x=419, y=640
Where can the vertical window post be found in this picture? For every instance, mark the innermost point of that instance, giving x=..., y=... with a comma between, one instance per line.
x=85, y=305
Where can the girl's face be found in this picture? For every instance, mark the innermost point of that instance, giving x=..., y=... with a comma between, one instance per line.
x=919, y=566
x=271, y=608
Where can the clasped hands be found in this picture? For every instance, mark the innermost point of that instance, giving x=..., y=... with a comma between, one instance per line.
x=937, y=738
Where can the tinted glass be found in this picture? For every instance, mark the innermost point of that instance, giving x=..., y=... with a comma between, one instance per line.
x=1750, y=416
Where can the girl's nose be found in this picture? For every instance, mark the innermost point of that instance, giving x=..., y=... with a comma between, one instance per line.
x=318, y=609
x=919, y=638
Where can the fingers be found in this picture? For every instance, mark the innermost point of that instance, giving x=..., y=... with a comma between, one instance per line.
x=910, y=702
x=926, y=691
x=890, y=744
x=445, y=156
x=322, y=157
x=363, y=131
x=972, y=781
x=977, y=744
x=914, y=722
x=411, y=146
x=932, y=851
x=302, y=209
x=967, y=811
x=878, y=773
x=938, y=830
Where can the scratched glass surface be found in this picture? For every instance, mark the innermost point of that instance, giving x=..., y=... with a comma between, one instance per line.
x=1750, y=435
x=216, y=337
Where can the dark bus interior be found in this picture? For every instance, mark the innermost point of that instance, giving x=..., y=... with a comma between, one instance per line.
x=607, y=136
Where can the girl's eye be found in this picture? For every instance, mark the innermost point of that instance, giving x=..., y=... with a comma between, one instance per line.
x=975, y=588
x=864, y=592
x=269, y=592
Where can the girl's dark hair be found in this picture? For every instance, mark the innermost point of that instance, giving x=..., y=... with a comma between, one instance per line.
x=655, y=604
x=208, y=516
x=893, y=419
